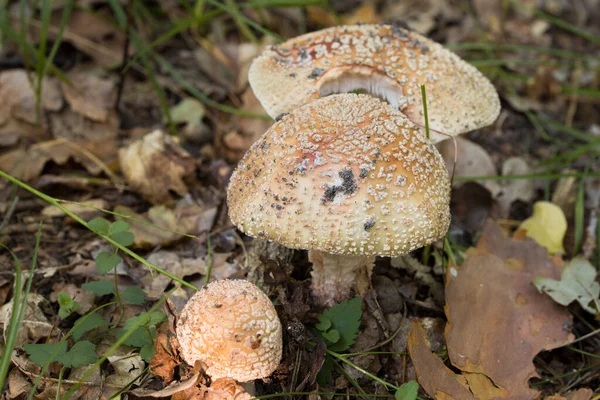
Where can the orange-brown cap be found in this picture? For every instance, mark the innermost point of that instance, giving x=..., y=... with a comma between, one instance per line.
x=233, y=328
x=387, y=61
x=345, y=174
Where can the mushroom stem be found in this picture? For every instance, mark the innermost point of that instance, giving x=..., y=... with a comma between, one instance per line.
x=333, y=276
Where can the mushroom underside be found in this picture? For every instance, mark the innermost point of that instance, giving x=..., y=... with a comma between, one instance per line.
x=334, y=277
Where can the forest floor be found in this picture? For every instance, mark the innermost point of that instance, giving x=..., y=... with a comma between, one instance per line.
x=139, y=111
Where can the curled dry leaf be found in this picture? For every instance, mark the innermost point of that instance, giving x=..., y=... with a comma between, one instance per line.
x=166, y=358
x=156, y=165
x=490, y=300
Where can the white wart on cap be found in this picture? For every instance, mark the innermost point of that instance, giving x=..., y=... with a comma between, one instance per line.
x=232, y=327
x=386, y=61
x=346, y=174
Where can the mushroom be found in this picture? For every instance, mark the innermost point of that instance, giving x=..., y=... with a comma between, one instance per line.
x=386, y=61
x=233, y=329
x=348, y=178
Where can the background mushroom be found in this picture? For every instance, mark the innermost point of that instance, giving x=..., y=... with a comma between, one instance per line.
x=232, y=327
x=386, y=61
x=348, y=178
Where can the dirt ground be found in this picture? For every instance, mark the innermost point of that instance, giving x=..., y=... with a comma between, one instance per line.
x=144, y=113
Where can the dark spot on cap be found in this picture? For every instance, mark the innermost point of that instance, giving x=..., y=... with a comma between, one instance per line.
x=292, y=75
x=280, y=117
x=398, y=31
x=363, y=173
x=347, y=187
x=369, y=224
x=315, y=73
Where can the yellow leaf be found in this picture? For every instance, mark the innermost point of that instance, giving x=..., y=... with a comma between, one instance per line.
x=547, y=226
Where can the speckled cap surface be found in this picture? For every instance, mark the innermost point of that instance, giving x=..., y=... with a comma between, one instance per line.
x=232, y=327
x=345, y=174
x=389, y=62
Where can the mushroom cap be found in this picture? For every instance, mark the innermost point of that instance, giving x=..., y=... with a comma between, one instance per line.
x=387, y=61
x=345, y=174
x=233, y=328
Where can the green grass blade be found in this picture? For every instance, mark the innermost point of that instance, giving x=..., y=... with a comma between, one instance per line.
x=19, y=306
x=240, y=22
x=14, y=323
x=54, y=202
x=424, y=100
x=579, y=218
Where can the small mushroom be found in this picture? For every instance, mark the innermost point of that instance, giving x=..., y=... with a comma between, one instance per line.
x=386, y=61
x=348, y=178
x=233, y=329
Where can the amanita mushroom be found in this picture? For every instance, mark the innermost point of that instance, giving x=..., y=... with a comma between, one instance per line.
x=386, y=61
x=347, y=177
x=233, y=329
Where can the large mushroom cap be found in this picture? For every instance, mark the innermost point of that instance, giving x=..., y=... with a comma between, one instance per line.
x=345, y=174
x=233, y=328
x=388, y=62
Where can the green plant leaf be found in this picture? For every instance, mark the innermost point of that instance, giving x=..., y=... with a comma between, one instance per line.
x=408, y=391
x=332, y=336
x=156, y=317
x=92, y=321
x=324, y=323
x=41, y=353
x=82, y=353
x=147, y=352
x=134, y=295
x=577, y=282
x=106, y=261
x=99, y=225
x=144, y=334
x=118, y=226
x=66, y=305
x=139, y=338
x=123, y=238
x=345, y=318
x=99, y=287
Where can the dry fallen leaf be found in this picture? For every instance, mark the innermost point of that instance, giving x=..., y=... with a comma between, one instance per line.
x=226, y=389
x=156, y=165
x=28, y=164
x=490, y=300
x=435, y=378
x=577, y=283
x=166, y=358
x=471, y=160
x=241, y=132
x=514, y=189
x=17, y=108
x=90, y=95
x=547, y=226
x=87, y=210
x=186, y=217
